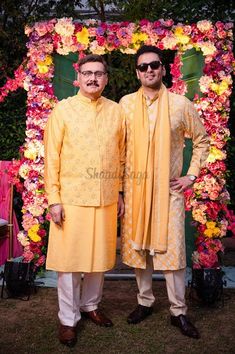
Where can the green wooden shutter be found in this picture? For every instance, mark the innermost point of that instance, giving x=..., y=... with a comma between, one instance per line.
x=192, y=70
x=65, y=75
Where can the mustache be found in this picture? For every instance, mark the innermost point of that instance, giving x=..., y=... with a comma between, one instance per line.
x=93, y=83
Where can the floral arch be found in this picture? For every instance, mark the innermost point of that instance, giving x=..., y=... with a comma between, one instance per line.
x=208, y=198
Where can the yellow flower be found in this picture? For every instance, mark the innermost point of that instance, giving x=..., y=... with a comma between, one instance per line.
x=83, y=36
x=210, y=224
x=35, y=238
x=32, y=233
x=208, y=233
x=212, y=230
x=178, y=31
x=43, y=69
x=219, y=88
x=30, y=154
x=139, y=37
x=215, y=154
x=182, y=38
x=43, y=64
x=216, y=231
x=222, y=87
x=214, y=87
x=48, y=60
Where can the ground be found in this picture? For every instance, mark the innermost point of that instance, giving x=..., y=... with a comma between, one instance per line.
x=30, y=327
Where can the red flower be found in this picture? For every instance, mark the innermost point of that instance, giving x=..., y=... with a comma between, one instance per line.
x=213, y=209
x=101, y=40
x=144, y=22
x=41, y=233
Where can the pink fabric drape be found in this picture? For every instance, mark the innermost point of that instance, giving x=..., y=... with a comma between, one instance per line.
x=4, y=214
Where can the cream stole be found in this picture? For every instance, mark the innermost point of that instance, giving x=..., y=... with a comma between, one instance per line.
x=151, y=167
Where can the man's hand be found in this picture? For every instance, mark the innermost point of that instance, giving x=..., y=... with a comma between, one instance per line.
x=57, y=214
x=121, y=207
x=180, y=184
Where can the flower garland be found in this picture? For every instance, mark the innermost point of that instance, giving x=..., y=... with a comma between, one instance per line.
x=208, y=198
x=13, y=84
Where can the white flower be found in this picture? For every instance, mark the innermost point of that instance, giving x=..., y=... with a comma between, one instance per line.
x=208, y=48
x=65, y=27
x=23, y=239
x=204, y=25
x=96, y=49
x=24, y=170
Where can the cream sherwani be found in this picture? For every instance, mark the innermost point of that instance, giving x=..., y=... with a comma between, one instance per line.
x=183, y=120
x=84, y=162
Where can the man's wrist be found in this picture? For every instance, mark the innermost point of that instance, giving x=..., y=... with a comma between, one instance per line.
x=192, y=177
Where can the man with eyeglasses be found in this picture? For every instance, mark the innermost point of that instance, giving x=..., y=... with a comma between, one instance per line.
x=84, y=162
x=153, y=226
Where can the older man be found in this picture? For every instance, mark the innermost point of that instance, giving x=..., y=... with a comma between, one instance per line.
x=153, y=228
x=84, y=157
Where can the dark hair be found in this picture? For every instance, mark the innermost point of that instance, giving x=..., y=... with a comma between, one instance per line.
x=91, y=58
x=148, y=49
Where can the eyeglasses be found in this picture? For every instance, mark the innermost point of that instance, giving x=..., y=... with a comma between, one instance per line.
x=154, y=65
x=98, y=74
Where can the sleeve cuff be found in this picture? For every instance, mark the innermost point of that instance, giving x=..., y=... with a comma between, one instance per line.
x=193, y=171
x=54, y=199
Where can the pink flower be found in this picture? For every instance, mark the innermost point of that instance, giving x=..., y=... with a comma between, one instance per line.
x=188, y=195
x=28, y=256
x=41, y=261
x=208, y=260
x=144, y=22
x=48, y=216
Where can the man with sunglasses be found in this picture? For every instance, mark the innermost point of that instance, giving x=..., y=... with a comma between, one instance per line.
x=84, y=162
x=153, y=226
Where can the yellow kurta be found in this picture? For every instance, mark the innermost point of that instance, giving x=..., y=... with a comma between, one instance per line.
x=84, y=162
x=184, y=120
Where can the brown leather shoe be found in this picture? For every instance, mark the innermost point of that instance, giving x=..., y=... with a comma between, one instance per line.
x=67, y=335
x=186, y=327
x=98, y=318
x=139, y=314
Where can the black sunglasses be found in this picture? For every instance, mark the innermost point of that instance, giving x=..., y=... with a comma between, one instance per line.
x=154, y=65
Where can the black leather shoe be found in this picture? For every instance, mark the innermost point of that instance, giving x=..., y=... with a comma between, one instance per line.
x=186, y=327
x=139, y=314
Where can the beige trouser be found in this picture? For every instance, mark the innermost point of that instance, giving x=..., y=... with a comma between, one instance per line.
x=72, y=299
x=175, y=283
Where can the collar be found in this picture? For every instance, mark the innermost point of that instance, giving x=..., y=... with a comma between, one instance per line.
x=88, y=100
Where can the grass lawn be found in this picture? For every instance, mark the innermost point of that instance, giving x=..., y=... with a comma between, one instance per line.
x=30, y=327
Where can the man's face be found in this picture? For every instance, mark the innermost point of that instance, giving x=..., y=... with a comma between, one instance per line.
x=150, y=77
x=92, y=79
